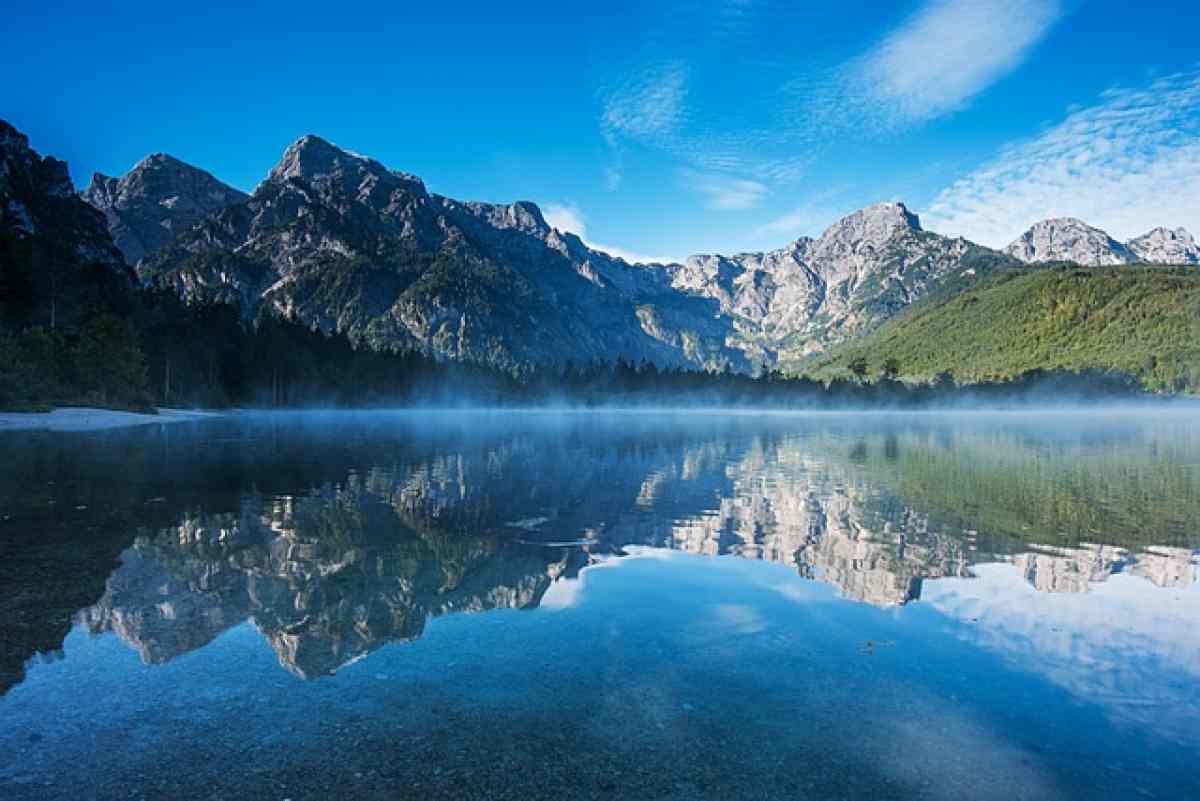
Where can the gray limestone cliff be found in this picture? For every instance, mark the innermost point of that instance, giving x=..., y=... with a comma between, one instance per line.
x=151, y=204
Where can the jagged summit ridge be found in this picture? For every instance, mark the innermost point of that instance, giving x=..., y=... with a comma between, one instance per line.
x=21, y=167
x=1068, y=239
x=1166, y=246
x=312, y=158
x=346, y=244
x=349, y=245
x=155, y=201
x=799, y=300
x=38, y=200
x=870, y=227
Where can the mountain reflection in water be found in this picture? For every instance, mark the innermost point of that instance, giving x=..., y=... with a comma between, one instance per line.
x=603, y=606
x=469, y=521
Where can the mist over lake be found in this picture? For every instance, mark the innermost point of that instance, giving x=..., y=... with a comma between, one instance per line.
x=601, y=401
x=515, y=604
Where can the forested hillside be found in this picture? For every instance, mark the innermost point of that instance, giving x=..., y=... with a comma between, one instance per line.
x=1139, y=320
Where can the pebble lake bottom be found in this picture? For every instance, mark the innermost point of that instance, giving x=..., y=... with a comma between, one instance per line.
x=605, y=606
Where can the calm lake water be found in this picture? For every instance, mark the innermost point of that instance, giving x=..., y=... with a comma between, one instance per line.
x=647, y=606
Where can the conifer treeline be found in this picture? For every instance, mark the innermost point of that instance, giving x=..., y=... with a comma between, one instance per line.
x=73, y=333
x=158, y=351
x=149, y=349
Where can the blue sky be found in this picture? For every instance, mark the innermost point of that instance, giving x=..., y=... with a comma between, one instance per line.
x=656, y=129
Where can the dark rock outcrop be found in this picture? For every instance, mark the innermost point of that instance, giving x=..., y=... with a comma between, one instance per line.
x=152, y=203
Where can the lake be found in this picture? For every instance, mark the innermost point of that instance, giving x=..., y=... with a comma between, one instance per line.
x=517, y=605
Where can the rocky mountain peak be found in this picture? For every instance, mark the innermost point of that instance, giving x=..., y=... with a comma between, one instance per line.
x=324, y=165
x=11, y=138
x=866, y=229
x=310, y=156
x=880, y=217
x=159, y=197
x=1166, y=246
x=1069, y=239
x=37, y=199
x=158, y=161
x=17, y=159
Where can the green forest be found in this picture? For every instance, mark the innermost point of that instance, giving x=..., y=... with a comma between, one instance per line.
x=1139, y=320
x=79, y=334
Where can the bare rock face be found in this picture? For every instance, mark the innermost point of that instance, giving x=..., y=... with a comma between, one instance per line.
x=793, y=302
x=152, y=203
x=1166, y=246
x=343, y=243
x=38, y=201
x=1070, y=240
x=340, y=241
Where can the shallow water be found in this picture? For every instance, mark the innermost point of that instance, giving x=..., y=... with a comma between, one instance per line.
x=522, y=605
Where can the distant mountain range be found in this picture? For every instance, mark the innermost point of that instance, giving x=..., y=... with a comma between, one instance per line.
x=1069, y=240
x=342, y=243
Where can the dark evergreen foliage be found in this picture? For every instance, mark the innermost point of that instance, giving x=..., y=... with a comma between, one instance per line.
x=88, y=339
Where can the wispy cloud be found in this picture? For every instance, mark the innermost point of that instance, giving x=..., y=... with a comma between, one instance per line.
x=944, y=55
x=613, y=175
x=568, y=218
x=1126, y=164
x=790, y=110
x=649, y=104
x=807, y=220
x=652, y=105
x=725, y=192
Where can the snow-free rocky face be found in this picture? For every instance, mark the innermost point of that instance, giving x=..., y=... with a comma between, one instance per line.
x=155, y=201
x=343, y=243
x=1067, y=239
x=789, y=303
x=38, y=201
x=1165, y=246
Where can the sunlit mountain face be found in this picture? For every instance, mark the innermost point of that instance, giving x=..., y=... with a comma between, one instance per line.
x=1040, y=569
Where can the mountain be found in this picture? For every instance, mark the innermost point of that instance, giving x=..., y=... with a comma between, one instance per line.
x=337, y=242
x=342, y=243
x=38, y=201
x=1070, y=240
x=156, y=200
x=818, y=292
x=1140, y=320
x=1166, y=246
x=1067, y=239
x=54, y=248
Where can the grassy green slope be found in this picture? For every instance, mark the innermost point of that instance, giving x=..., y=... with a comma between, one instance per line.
x=1141, y=320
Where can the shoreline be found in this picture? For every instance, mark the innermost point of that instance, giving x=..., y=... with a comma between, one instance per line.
x=83, y=418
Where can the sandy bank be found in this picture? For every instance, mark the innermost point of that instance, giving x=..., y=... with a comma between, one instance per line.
x=84, y=419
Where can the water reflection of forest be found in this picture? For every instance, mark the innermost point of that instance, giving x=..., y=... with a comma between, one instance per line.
x=335, y=547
